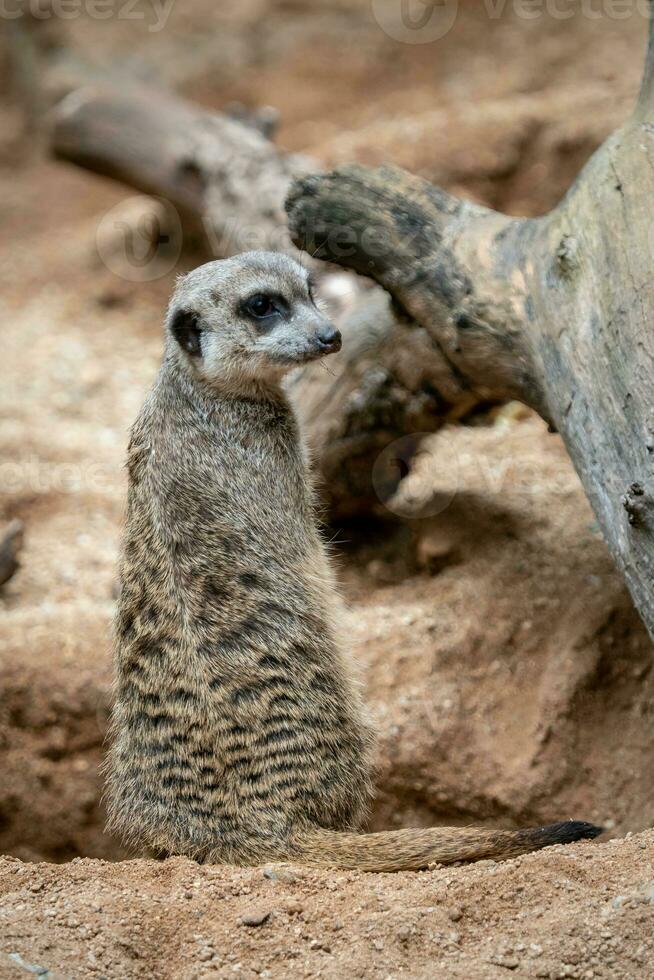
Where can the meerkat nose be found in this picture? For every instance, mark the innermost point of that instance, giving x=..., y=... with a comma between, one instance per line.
x=329, y=340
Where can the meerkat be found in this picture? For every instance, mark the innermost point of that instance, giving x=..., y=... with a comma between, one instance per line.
x=239, y=730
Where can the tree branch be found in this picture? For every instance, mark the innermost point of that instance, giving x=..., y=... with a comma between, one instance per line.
x=421, y=244
x=219, y=171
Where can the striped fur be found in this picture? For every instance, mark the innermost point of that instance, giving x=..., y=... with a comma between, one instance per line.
x=239, y=733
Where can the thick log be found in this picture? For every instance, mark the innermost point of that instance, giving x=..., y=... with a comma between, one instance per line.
x=223, y=174
x=556, y=311
x=448, y=263
x=220, y=171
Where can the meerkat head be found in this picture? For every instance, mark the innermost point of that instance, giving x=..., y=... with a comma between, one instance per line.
x=250, y=318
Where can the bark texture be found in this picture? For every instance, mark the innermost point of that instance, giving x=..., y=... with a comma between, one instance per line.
x=555, y=311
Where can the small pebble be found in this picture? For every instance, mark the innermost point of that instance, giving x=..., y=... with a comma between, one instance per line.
x=255, y=918
x=508, y=962
x=279, y=874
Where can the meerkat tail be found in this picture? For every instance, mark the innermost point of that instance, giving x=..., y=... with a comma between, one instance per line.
x=415, y=850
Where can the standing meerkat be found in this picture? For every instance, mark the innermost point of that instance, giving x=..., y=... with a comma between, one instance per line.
x=239, y=733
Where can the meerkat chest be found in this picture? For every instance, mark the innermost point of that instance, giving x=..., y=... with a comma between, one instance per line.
x=229, y=491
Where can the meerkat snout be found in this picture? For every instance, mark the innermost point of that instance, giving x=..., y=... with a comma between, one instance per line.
x=247, y=319
x=329, y=340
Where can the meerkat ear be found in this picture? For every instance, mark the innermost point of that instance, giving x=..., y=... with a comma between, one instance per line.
x=185, y=328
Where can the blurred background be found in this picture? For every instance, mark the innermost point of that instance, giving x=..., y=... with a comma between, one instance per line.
x=507, y=671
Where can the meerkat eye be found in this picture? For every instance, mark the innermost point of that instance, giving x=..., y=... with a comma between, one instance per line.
x=261, y=306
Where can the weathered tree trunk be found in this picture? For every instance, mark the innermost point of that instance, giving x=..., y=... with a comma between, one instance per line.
x=225, y=176
x=557, y=311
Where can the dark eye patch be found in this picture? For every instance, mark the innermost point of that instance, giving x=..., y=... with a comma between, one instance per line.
x=185, y=329
x=262, y=307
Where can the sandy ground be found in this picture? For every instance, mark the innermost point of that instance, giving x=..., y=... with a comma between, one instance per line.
x=582, y=912
x=509, y=676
